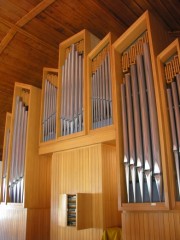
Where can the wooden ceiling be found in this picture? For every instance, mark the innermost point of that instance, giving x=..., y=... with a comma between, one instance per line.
x=31, y=30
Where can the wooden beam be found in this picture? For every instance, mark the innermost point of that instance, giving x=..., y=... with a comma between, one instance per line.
x=5, y=41
x=20, y=23
x=34, y=12
x=25, y=33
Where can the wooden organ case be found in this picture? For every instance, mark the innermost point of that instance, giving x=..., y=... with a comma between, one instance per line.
x=144, y=190
x=104, y=137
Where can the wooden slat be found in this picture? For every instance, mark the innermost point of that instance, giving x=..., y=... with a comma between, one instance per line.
x=151, y=225
x=5, y=41
x=48, y=34
x=13, y=223
x=24, y=224
x=34, y=12
x=10, y=11
x=127, y=16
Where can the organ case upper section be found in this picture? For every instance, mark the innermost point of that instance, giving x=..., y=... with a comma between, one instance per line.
x=100, y=95
x=169, y=82
x=138, y=114
x=72, y=84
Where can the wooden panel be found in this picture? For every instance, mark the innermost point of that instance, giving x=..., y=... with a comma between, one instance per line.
x=10, y=11
x=83, y=170
x=75, y=171
x=77, y=18
x=150, y=225
x=37, y=185
x=46, y=33
x=93, y=138
x=84, y=211
x=24, y=224
x=111, y=215
x=38, y=224
x=13, y=223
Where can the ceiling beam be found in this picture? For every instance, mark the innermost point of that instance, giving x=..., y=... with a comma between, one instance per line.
x=23, y=21
x=34, y=12
x=25, y=33
x=6, y=40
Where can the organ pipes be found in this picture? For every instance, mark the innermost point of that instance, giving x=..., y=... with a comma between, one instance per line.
x=5, y=163
x=72, y=91
x=16, y=180
x=49, y=109
x=172, y=76
x=140, y=126
x=101, y=90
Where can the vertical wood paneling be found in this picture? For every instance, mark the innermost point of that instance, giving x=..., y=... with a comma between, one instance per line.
x=166, y=224
x=161, y=226
x=81, y=170
x=177, y=224
x=13, y=224
x=71, y=173
x=24, y=224
x=151, y=225
x=156, y=226
x=109, y=184
x=38, y=224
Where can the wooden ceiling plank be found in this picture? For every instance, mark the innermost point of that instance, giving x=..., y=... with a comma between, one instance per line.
x=34, y=12
x=28, y=17
x=134, y=7
x=36, y=39
x=108, y=11
x=25, y=33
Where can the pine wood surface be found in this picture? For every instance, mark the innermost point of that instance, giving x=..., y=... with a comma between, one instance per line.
x=86, y=170
x=151, y=225
x=68, y=142
x=24, y=224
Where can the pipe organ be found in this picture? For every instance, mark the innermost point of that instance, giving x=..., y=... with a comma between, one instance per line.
x=16, y=178
x=50, y=100
x=101, y=90
x=169, y=78
x=72, y=91
x=141, y=135
x=5, y=156
x=109, y=122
